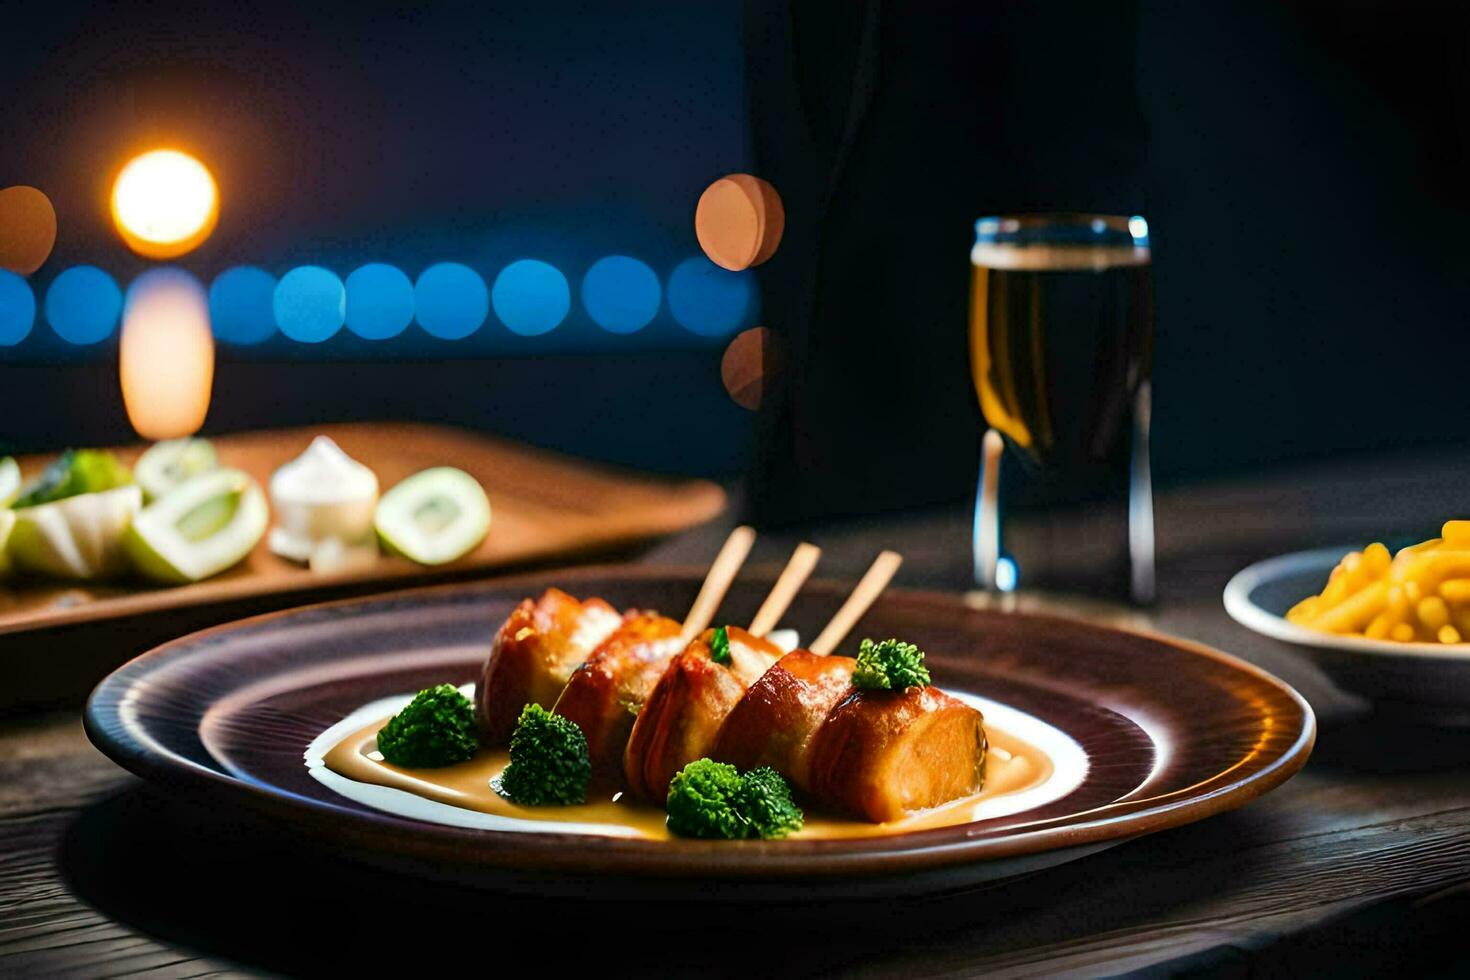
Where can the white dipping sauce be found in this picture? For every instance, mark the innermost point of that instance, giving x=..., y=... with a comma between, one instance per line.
x=321, y=496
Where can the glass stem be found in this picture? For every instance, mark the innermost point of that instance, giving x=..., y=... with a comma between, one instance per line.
x=986, y=534
x=1141, y=501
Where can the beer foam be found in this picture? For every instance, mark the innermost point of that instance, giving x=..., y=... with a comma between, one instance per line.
x=1058, y=258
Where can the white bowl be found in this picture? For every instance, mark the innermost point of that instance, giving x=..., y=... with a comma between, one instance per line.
x=1421, y=681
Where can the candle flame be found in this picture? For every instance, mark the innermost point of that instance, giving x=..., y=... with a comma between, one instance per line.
x=165, y=203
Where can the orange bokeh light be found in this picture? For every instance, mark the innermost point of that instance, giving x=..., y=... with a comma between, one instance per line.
x=27, y=229
x=164, y=203
x=751, y=367
x=166, y=355
x=739, y=221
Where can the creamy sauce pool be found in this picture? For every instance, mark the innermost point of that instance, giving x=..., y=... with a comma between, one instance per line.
x=1012, y=765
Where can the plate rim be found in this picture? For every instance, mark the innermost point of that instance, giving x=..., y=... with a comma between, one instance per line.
x=129, y=745
x=1245, y=611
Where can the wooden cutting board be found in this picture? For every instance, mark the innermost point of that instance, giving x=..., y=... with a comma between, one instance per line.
x=544, y=506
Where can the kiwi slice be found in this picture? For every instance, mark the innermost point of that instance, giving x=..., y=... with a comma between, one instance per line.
x=167, y=464
x=434, y=517
x=198, y=529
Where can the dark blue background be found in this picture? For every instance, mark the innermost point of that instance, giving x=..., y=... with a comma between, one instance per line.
x=1303, y=166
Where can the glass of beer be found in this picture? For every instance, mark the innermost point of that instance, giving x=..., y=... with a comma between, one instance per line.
x=1061, y=337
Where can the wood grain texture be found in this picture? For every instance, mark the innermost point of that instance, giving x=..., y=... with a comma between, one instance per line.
x=96, y=875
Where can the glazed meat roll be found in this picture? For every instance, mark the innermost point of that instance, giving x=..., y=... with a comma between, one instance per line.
x=883, y=754
x=774, y=723
x=605, y=695
x=533, y=655
x=688, y=706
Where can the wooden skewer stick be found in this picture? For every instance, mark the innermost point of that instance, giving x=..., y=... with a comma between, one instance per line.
x=803, y=560
x=868, y=589
x=726, y=566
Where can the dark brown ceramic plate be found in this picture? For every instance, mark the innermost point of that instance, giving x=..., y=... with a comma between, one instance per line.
x=1171, y=731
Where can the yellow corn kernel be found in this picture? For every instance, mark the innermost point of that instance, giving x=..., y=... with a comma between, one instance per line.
x=1456, y=533
x=1448, y=634
x=1433, y=612
x=1403, y=632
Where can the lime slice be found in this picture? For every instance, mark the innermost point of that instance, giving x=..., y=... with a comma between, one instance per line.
x=198, y=529
x=434, y=517
x=76, y=537
x=167, y=464
x=7, y=521
x=9, y=480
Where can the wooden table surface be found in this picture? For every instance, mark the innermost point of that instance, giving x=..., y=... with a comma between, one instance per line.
x=1360, y=864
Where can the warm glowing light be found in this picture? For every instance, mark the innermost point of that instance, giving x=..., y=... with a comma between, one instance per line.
x=739, y=221
x=27, y=229
x=751, y=367
x=166, y=355
x=164, y=203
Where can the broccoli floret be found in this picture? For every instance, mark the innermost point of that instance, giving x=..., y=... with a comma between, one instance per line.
x=73, y=473
x=719, y=646
x=765, y=800
x=549, y=761
x=436, y=728
x=889, y=665
x=712, y=800
x=704, y=802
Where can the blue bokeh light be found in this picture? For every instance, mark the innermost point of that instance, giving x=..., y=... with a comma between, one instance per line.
x=451, y=300
x=380, y=301
x=621, y=294
x=310, y=304
x=166, y=277
x=1006, y=574
x=531, y=297
x=242, y=305
x=708, y=300
x=17, y=308
x=83, y=305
